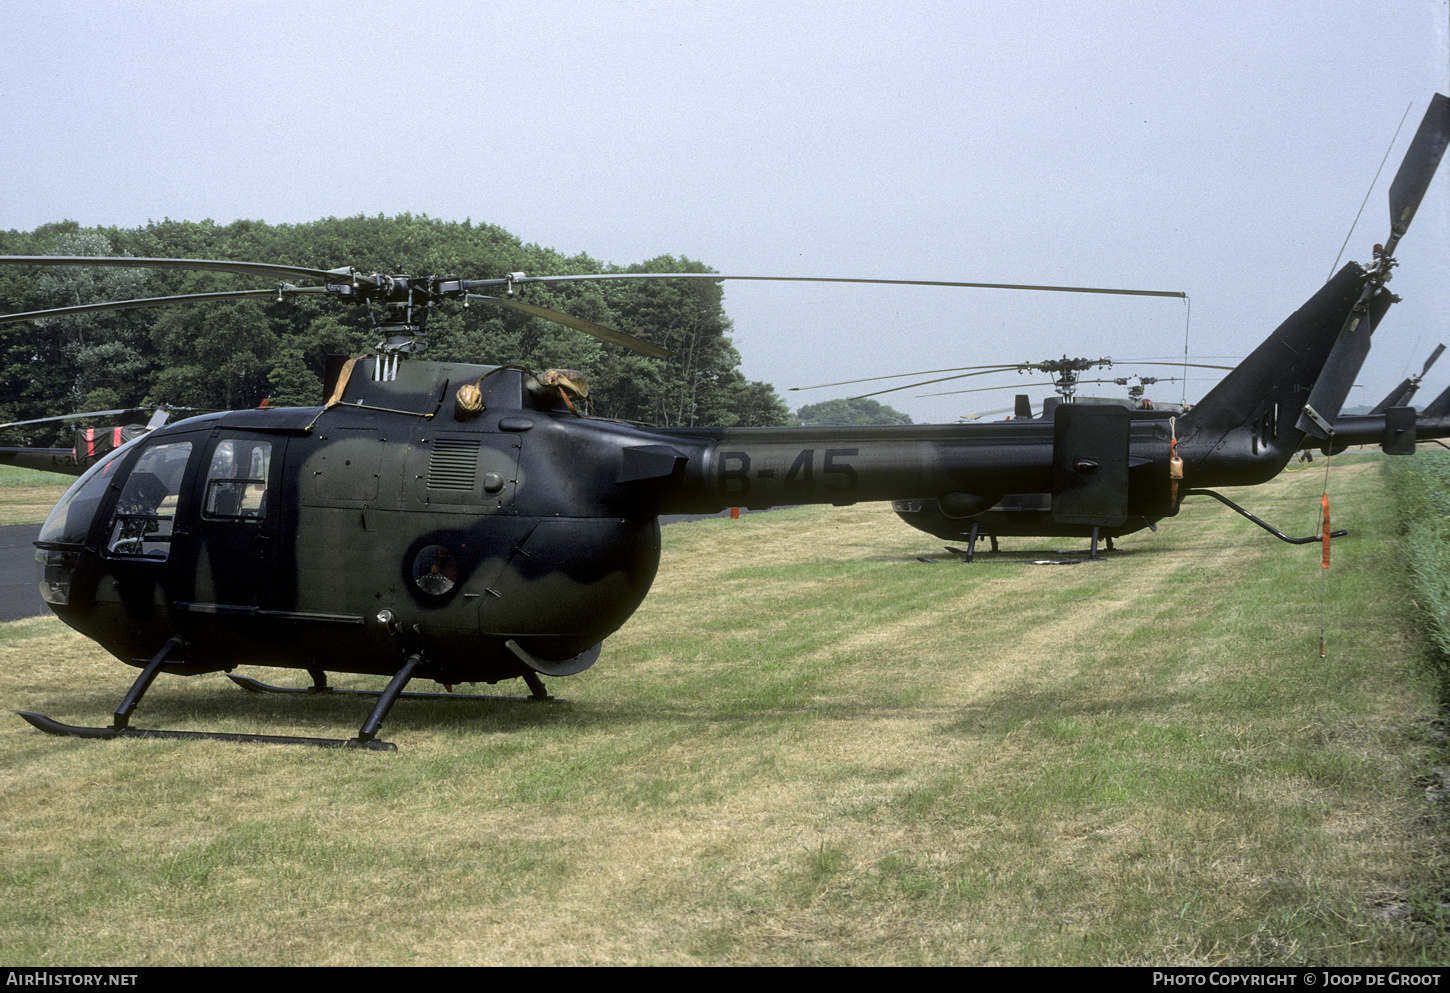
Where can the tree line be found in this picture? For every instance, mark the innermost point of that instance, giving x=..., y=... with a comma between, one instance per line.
x=233, y=354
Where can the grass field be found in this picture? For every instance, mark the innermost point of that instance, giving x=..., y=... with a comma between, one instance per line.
x=26, y=495
x=808, y=747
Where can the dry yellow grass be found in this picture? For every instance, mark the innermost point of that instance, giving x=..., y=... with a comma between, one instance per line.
x=27, y=504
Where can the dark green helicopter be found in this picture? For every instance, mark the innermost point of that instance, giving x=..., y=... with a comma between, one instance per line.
x=466, y=523
x=1021, y=515
x=1391, y=423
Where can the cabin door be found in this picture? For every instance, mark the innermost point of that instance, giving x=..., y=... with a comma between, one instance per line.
x=234, y=534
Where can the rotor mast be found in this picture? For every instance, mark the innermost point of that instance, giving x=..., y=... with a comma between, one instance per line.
x=1068, y=371
x=398, y=307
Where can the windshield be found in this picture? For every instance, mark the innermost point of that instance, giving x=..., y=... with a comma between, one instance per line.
x=71, y=519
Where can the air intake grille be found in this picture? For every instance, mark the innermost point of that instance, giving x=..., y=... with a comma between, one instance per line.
x=453, y=465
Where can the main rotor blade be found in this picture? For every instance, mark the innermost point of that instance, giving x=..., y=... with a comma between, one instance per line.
x=68, y=417
x=206, y=265
x=520, y=279
x=96, y=308
x=1177, y=365
x=1418, y=168
x=922, y=372
x=987, y=370
x=1021, y=367
x=326, y=275
x=985, y=413
x=1009, y=386
x=580, y=324
x=945, y=379
x=332, y=275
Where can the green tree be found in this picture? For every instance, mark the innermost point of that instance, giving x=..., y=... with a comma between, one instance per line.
x=224, y=351
x=103, y=350
x=234, y=353
x=92, y=361
x=853, y=411
x=291, y=383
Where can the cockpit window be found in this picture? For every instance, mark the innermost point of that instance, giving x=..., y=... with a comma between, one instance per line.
x=236, y=483
x=146, y=510
x=70, y=520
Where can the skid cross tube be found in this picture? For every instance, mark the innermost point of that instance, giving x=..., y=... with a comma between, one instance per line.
x=369, y=731
x=142, y=684
x=320, y=687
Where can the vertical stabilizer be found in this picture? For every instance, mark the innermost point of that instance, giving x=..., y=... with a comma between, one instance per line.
x=1294, y=385
x=1266, y=394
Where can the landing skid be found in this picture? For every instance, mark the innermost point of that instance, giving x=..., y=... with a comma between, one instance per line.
x=367, y=736
x=971, y=550
x=1093, y=555
x=49, y=726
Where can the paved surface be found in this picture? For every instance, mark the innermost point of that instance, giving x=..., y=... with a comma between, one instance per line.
x=19, y=594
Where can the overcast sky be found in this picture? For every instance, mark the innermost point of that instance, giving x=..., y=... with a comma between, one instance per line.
x=1222, y=150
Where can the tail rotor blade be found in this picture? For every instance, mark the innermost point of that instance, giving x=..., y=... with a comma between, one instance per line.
x=1418, y=168
x=1431, y=360
x=1336, y=378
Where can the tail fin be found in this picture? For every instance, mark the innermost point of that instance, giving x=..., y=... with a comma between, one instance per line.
x=1294, y=384
x=1308, y=363
x=1438, y=407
